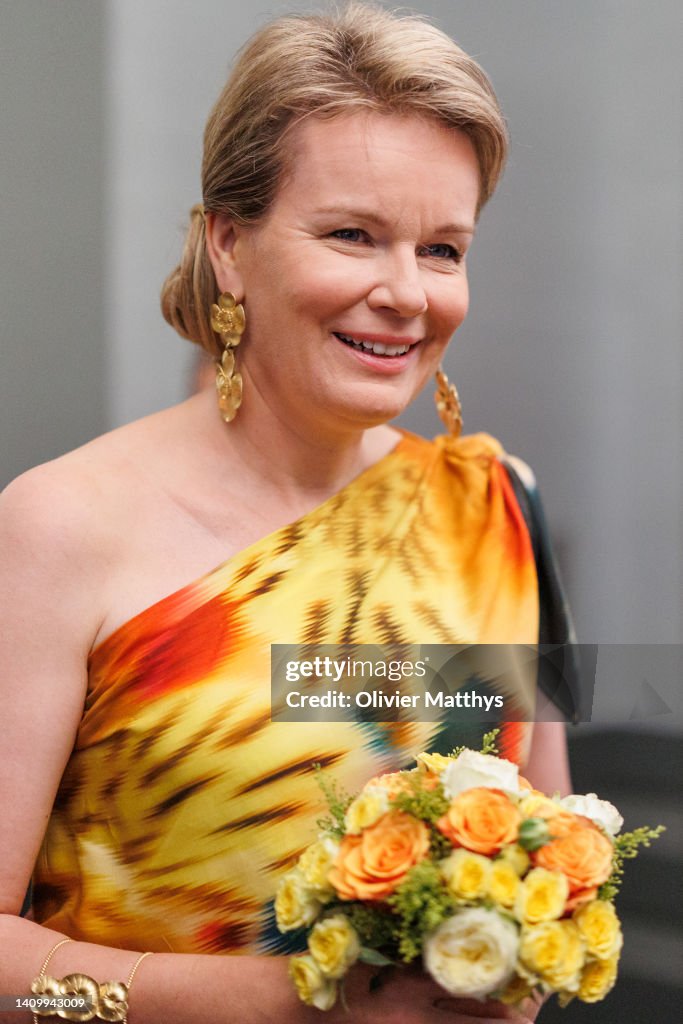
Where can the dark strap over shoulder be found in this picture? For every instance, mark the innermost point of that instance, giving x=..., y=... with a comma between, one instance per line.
x=562, y=687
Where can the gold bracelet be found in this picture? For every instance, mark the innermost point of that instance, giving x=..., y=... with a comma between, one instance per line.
x=132, y=975
x=41, y=973
x=107, y=1002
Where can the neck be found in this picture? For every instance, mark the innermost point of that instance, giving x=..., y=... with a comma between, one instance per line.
x=301, y=462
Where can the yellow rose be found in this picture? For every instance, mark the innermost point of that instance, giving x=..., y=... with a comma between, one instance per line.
x=473, y=953
x=467, y=874
x=567, y=973
x=434, y=762
x=553, y=952
x=536, y=805
x=334, y=945
x=597, y=979
x=504, y=883
x=315, y=863
x=517, y=856
x=599, y=926
x=296, y=904
x=366, y=809
x=312, y=987
x=541, y=896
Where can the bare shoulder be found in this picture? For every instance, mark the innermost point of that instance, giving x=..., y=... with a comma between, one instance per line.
x=79, y=499
x=55, y=510
x=93, y=528
x=52, y=500
x=51, y=546
x=63, y=523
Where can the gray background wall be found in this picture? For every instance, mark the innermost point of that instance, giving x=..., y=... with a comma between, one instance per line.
x=53, y=186
x=571, y=354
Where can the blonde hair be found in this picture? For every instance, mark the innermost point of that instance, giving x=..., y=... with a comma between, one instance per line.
x=362, y=57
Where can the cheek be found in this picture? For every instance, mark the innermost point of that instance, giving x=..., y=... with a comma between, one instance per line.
x=329, y=287
x=315, y=289
x=461, y=301
x=450, y=309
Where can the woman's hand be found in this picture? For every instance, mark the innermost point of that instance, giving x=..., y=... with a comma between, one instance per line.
x=465, y=1011
x=409, y=996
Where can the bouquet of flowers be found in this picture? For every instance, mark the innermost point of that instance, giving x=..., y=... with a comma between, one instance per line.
x=500, y=889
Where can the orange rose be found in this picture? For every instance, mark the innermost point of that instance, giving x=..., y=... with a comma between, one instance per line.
x=481, y=819
x=371, y=865
x=563, y=822
x=393, y=782
x=582, y=852
x=429, y=782
x=578, y=898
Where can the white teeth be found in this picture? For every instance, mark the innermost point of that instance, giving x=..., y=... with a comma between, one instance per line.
x=376, y=347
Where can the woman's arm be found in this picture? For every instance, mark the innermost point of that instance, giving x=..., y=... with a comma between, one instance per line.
x=548, y=765
x=173, y=988
x=176, y=988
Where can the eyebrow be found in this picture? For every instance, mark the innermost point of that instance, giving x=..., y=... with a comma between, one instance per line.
x=374, y=218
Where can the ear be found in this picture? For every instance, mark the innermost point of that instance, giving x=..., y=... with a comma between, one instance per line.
x=221, y=238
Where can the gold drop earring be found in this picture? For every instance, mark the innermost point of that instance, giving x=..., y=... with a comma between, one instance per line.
x=228, y=320
x=448, y=404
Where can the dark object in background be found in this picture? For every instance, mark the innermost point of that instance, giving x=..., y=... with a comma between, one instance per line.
x=640, y=773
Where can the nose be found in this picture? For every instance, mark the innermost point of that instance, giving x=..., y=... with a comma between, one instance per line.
x=398, y=285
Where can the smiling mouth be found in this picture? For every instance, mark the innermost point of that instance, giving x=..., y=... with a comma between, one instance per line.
x=377, y=348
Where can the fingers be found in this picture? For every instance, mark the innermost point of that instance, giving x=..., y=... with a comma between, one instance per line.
x=469, y=1011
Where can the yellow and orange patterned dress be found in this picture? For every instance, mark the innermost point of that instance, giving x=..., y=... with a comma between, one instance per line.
x=182, y=802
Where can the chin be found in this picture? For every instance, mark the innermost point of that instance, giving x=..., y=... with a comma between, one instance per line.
x=373, y=406
x=364, y=419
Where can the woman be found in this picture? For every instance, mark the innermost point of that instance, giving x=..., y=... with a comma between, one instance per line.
x=326, y=272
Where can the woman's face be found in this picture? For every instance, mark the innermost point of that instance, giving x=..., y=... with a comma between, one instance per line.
x=355, y=280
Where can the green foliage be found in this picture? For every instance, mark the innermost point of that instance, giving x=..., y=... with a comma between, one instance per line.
x=375, y=959
x=337, y=802
x=439, y=846
x=427, y=805
x=488, y=745
x=626, y=847
x=376, y=928
x=533, y=834
x=420, y=904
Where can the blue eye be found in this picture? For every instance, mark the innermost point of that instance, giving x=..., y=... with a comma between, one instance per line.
x=349, y=234
x=443, y=252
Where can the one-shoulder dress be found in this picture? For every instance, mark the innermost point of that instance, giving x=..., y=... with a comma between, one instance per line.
x=182, y=802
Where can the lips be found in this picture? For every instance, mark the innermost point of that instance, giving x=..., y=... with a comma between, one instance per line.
x=375, y=347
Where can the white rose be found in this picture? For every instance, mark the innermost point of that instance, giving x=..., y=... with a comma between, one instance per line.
x=471, y=769
x=602, y=812
x=473, y=953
